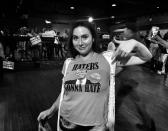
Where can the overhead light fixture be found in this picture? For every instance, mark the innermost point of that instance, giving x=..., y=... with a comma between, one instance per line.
x=90, y=19
x=72, y=7
x=157, y=7
x=47, y=22
x=112, y=16
x=113, y=5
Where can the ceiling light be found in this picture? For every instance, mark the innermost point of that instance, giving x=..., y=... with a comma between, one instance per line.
x=90, y=19
x=113, y=5
x=157, y=7
x=112, y=17
x=47, y=22
x=72, y=8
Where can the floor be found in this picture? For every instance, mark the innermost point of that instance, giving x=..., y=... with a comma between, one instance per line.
x=141, y=98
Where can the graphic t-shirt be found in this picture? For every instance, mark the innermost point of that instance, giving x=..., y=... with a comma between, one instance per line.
x=86, y=85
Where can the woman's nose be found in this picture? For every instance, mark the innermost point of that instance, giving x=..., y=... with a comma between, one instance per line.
x=80, y=41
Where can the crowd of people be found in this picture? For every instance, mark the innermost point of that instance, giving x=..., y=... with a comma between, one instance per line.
x=28, y=44
x=158, y=47
x=50, y=44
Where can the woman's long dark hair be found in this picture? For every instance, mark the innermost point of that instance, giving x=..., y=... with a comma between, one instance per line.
x=95, y=46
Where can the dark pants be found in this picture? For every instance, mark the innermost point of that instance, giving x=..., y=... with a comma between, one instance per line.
x=156, y=65
x=166, y=75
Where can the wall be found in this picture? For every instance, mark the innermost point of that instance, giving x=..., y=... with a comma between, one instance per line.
x=59, y=22
x=155, y=19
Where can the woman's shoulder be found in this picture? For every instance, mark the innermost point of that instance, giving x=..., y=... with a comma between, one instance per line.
x=65, y=64
x=68, y=59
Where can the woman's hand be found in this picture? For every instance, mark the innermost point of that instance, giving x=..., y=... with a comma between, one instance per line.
x=44, y=115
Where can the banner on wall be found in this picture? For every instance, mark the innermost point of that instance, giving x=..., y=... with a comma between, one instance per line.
x=8, y=65
x=35, y=40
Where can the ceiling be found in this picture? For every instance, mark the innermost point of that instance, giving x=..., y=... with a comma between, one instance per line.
x=101, y=9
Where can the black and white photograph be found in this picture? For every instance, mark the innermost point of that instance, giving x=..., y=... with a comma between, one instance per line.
x=83, y=65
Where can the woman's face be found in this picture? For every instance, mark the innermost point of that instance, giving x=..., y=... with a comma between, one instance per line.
x=82, y=40
x=155, y=30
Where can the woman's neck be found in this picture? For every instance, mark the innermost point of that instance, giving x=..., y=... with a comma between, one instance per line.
x=86, y=57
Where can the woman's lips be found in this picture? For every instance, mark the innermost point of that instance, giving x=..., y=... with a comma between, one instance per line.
x=82, y=48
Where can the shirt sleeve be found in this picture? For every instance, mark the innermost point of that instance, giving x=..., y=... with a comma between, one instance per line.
x=65, y=65
x=63, y=68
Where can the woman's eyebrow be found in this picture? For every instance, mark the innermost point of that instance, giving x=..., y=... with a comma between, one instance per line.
x=74, y=35
x=84, y=35
x=81, y=35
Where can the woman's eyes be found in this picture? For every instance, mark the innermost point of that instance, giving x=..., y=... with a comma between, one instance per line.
x=82, y=37
x=75, y=37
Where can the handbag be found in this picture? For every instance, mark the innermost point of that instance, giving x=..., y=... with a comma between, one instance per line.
x=44, y=127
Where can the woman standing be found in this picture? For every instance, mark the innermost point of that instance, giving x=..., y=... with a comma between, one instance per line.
x=86, y=82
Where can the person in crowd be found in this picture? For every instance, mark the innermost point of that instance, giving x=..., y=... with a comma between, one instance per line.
x=157, y=49
x=56, y=46
x=64, y=41
x=86, y=99
x=130, y=31
x=60, y=46
x=48, y=38
x=165, y=56
x=126, y=91
x=164, y=43
x=35, y=47
x=2, y=56
x=163, y=52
